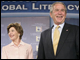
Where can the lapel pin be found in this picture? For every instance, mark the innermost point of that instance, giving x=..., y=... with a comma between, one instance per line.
x=67, y=30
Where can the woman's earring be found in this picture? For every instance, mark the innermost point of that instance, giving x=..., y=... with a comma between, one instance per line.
x=19, y=34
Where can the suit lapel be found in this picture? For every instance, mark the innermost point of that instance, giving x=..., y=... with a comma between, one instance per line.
x=49, y=41
x=64, y=34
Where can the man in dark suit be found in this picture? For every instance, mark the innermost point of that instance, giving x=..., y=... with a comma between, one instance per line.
x=68, y=45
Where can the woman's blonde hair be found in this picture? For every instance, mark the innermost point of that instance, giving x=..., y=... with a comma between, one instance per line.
x=18, y=28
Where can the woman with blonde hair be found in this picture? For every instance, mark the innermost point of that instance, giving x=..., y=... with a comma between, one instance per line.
x=17, y=49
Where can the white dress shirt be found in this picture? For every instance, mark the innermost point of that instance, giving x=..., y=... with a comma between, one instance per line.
x=60, y=29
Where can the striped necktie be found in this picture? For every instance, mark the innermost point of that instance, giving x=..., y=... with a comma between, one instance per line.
x=56, y=39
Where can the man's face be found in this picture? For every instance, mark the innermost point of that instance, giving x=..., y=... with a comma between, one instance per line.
x=58, y=14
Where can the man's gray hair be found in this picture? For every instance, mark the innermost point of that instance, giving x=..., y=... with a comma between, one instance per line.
x=51, y=9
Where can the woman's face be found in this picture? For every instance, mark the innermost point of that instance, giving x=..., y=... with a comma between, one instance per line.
x=13, y=34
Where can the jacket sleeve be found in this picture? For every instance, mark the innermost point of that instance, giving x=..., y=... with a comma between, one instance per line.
x=41, y=49
x=77, y=41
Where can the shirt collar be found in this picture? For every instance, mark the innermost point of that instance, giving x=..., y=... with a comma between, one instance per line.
x=21, y=43
x=61, y=25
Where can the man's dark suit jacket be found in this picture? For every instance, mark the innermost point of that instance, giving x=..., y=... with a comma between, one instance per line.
x=68, y=47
